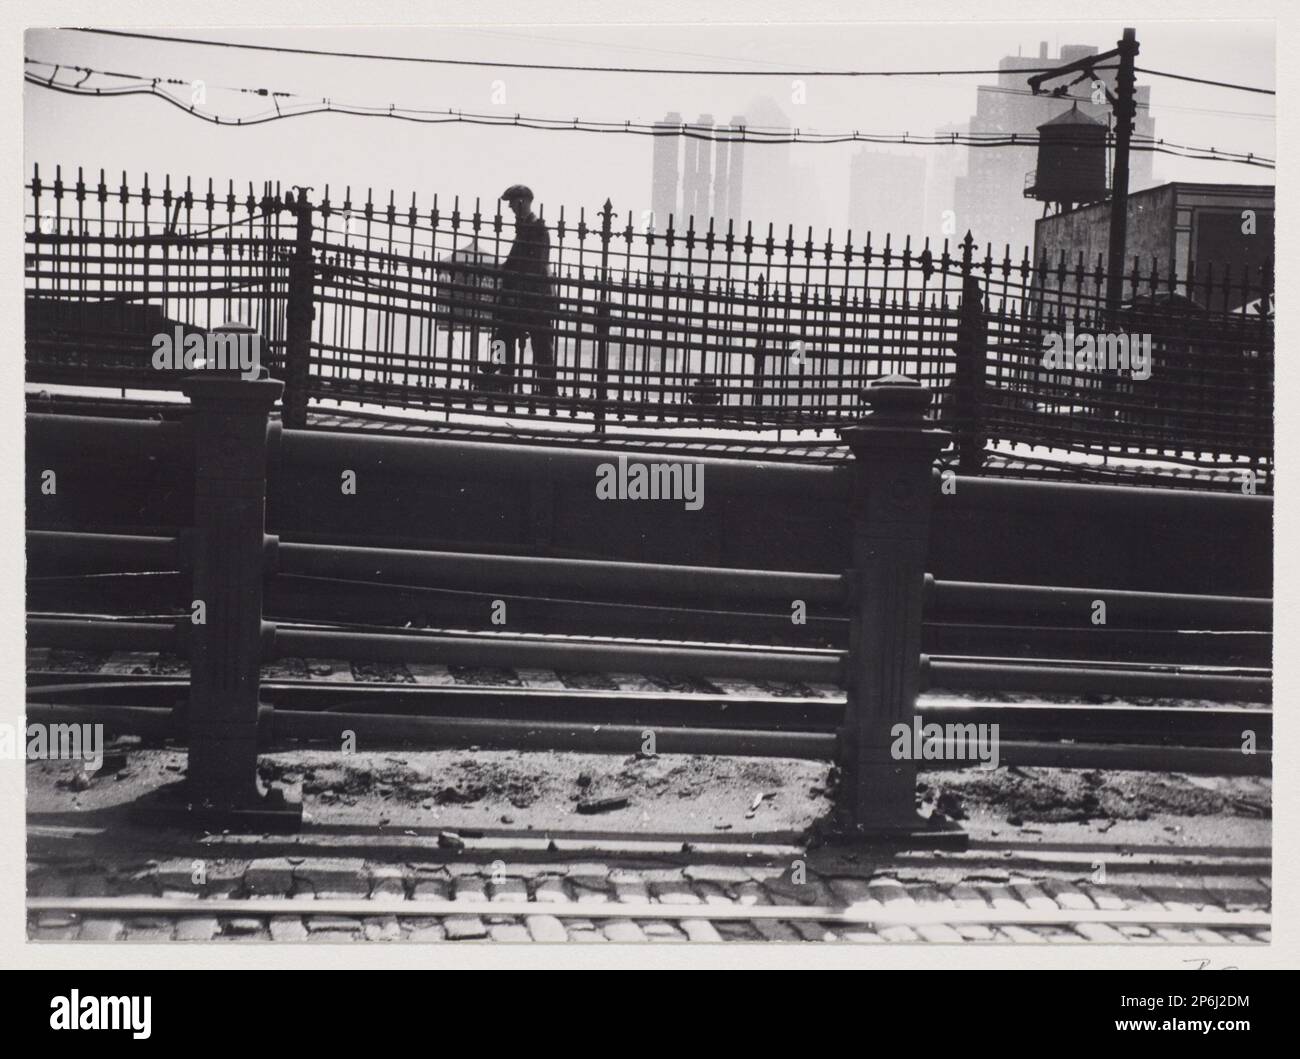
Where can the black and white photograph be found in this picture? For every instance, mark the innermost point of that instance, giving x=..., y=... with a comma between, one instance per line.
x=797, y=489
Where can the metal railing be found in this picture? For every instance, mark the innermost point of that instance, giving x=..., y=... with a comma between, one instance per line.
x=881, y=599
x=749, y=329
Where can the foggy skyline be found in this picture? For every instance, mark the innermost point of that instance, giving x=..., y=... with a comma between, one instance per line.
x=579, y=170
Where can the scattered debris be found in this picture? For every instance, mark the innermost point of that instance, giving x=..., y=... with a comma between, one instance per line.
x=603, y=805
x=949, y=803
x=450, y=840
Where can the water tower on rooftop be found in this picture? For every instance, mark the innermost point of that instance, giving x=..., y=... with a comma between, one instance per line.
x=1071, y=162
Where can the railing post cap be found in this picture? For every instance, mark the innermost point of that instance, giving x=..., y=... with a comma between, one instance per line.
x=897, y=418
x=225, y=386
x=230, y=327
x=896, y=396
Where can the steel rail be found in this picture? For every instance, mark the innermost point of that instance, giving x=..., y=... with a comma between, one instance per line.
x=1172, y=668
x=540, y=651
x=929, y=913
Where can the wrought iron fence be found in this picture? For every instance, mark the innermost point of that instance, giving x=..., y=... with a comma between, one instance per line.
x=673, y=328
x=369, y=302
x=108, y=269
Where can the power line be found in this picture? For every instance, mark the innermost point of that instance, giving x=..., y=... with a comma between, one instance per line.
x=557, y=66
x=1205, y=81
x=679, y=71
x=741, y=134
x=1137, y=103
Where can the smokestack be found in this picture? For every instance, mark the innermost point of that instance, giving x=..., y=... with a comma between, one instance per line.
x=736, y=172
x=721, y=164
x=698, y=187
x=665, y=177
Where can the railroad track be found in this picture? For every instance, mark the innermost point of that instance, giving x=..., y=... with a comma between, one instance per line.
x=277, y=899
x=402, y=702
x=463, y=897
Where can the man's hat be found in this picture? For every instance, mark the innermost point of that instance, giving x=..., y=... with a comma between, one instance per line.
x=517, y=191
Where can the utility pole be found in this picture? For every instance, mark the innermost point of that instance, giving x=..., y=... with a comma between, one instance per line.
x=1125, y=112
x=1123, y=102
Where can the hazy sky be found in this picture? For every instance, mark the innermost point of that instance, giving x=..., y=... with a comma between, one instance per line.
x=581, y=169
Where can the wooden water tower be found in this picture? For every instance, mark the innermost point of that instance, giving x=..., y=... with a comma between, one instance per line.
x=1071, y=162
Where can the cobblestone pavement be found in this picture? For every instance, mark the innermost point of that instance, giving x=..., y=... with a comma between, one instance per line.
x=559, y=890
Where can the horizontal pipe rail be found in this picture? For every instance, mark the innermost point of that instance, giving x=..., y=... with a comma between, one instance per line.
x=502, y=650
x=479, y=571
x=163, y=446
x=115, y=550
x=395, y=454
x=100, y=634
x=373, y=730
x=1093, y=680
x=1207, y=726
x=1192, y=611
x=1134, y=501
x=384, y=731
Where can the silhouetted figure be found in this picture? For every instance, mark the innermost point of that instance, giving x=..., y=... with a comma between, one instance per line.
x=526, y=297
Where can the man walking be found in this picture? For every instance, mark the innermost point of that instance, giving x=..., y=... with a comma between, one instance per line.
x=526, y=297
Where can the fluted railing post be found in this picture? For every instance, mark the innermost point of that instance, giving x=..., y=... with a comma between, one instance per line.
x=894, y=449
x=224, y=628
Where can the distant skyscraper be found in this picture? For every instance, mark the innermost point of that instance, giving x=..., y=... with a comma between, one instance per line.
x=735, y=197
x=697, y=187
x=721, y=169
x=770, y=183
x=945, y=166
x=705, y=178
x=989, y=199
x=667, y=160
x=887, y=195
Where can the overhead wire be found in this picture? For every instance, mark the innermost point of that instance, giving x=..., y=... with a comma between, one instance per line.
x=732, y=134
